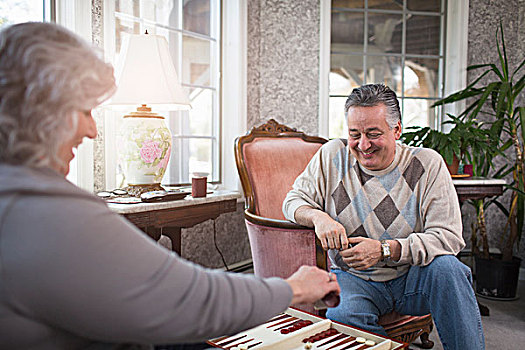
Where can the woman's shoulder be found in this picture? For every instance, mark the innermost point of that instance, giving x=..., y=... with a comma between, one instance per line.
x=40, y=185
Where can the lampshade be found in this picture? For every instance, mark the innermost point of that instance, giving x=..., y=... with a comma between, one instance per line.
x=146, y=75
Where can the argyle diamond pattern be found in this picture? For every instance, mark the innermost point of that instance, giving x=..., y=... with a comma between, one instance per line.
x=386, y=212
x=375, y=202
x=413, y=173
x=341, y=198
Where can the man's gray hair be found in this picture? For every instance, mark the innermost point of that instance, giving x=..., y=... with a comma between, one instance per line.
x=47, y=75
x=372, y=95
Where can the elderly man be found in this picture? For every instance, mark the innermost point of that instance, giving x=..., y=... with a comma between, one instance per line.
x=390, y=218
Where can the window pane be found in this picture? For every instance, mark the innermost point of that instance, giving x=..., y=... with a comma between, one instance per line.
x=148, y=10
x=386, y=70
x=424, y=5
x=348, y=3
x=337, y=123
x=384, y=33
x=129, y=7
x=348, y=66
x=417, y=112
x=348, y=28
x=18, y=11
x=386, y=4
x=423, y=35
x=166, y=13
x=200, y=156
x=197, y=16
x=124, y=26
x=421, y=77
x=201, y=112
x=195, y=61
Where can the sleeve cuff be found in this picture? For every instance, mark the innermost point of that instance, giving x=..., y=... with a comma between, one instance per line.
x=283, y=295
x=405, y=257
x=291, y=208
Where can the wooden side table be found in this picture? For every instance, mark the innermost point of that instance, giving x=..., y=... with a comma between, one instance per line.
x=170, y=217
x=478, y=188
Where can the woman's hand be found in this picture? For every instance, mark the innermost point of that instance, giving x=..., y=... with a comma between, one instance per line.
x=310, y=284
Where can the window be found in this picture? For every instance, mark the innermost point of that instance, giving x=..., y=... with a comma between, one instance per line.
x=17, y=11
x=400, y=43
x=192, y=29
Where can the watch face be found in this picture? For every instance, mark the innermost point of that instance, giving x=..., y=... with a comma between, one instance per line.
x=385, y=250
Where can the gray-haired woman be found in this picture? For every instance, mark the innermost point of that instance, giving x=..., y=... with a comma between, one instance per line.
x=72, y=273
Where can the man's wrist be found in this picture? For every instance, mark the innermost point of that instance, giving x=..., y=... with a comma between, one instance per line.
x=385, y=250
x=395, y=250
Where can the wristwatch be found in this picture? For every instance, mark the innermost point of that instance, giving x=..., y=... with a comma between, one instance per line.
x=385, y=250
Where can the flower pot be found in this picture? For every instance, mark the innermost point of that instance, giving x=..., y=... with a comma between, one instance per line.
x=496, y=278
x=453, y=168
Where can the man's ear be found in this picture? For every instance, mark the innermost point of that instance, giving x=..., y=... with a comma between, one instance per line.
x=397, y=130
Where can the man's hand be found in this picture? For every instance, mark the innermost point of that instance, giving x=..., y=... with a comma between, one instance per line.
x=331, y=233
x=364, y=253
x=310, y=284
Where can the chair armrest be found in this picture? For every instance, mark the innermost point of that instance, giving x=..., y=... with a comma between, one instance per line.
x=260, y=220
x=320, y=253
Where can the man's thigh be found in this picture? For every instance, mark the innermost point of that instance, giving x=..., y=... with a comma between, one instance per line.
x=425, y=284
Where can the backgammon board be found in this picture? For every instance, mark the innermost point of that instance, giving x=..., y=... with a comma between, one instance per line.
x=299, y=330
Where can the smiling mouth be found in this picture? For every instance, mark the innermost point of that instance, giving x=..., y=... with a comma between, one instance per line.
x=368, y=153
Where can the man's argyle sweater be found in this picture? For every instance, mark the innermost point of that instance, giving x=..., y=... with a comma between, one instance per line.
x=412, y=201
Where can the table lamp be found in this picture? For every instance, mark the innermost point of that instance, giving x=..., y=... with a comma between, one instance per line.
x=146, y=77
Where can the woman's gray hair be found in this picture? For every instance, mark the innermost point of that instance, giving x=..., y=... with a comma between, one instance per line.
x=372, y=95
x=47, y=75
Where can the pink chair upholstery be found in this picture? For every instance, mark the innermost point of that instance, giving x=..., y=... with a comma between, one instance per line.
x=269, y=158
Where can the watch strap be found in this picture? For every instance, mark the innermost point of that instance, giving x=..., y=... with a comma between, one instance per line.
x=385, y=250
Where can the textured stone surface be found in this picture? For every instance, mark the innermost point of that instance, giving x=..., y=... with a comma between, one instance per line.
x=283, y=63
x=484, y=18
x=231, y=238
x=99, y=157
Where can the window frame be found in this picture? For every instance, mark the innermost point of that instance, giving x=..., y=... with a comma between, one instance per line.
x=72, y=15
x=455, y=56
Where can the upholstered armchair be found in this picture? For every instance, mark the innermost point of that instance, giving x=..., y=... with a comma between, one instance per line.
x=269, y=158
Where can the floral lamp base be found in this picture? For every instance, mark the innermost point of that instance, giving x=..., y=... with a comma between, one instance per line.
x=144, y=149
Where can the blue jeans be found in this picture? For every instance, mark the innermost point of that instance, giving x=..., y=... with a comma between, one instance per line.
x=442, y=288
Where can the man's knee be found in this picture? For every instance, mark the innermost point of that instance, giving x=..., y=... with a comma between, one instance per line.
x=361, y=319
x=446, y=267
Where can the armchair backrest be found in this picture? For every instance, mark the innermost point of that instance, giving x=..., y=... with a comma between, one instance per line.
x=269, y=159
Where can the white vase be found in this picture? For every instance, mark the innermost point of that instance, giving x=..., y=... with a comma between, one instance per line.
x=144, y=147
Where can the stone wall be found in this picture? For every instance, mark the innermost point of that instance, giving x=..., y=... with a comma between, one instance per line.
x=283, y=63
x=484, y=19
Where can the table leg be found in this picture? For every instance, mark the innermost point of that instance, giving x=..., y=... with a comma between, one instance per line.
x=483, y=310
x=174, y=233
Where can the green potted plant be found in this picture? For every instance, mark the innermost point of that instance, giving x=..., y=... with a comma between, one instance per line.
x=464, y=143
x=494, y=100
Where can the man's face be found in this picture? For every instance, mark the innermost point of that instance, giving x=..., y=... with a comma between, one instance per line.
x=370, y=139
